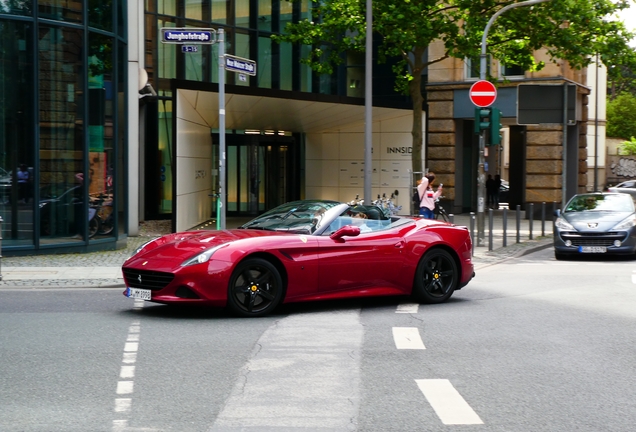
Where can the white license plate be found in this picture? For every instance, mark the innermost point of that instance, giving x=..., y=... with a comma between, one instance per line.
x=137, y=293
x=592, y=249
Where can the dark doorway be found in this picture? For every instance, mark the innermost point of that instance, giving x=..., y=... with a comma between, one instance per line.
x=262, y=172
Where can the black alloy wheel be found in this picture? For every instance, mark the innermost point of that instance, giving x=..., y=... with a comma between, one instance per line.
x=256, y=288
x=436, y=277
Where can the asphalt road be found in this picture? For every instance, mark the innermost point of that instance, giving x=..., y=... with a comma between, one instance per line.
x=531, y=344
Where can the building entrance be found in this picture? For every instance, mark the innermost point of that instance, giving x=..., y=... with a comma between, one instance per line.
x=262, y=172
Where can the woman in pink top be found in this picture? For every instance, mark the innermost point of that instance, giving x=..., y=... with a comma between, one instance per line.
x=428, y=196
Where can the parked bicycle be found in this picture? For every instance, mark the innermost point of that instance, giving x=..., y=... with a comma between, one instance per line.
x=439, y=212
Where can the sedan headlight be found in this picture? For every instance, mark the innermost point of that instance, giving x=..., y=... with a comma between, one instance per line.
x=625, y=224
x=562, y=224
x=203, y=257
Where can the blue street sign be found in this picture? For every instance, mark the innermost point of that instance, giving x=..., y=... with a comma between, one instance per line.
x=241, y=65
x=187, y=35
x=189, y=48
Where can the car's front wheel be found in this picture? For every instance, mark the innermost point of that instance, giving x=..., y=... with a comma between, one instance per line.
x=436, y=277
x=255, y=289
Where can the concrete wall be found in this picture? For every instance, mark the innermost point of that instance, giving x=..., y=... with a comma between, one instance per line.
x=194, y=167
x=335, y=161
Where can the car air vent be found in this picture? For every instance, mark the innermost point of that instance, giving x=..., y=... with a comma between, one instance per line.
x=147, y=279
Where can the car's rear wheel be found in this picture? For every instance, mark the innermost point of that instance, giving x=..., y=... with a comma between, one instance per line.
x=256, y=288
x=436, y=277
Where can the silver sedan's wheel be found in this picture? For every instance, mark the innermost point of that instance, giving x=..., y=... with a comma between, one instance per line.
x=256, y=288
x=436, y=277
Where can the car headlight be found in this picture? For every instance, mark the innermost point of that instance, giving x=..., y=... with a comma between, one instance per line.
x=562, y=224
x=625, y=224
x=203, y=257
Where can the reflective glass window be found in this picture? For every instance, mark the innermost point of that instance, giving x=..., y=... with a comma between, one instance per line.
x=118, y=176
x=194, y=9
x=305, y=70
x=100, y=14
x=264, y=62
x=286, y=10
x=242, y=13
x=265, y=15
x=16, y=133
x=194, y=62
x=63, y=210
x=285, y=66
x=24, y=7
x=61, y=10
x=242, y=49
x=219, y=11
x=101, y=141
x=167, y=7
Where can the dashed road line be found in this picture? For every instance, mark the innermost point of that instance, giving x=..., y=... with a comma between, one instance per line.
x=407, y=338
x=125, y=385
x=448, y=404
x=409, y=308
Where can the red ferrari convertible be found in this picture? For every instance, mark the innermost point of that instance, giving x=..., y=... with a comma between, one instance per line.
x=303, y=251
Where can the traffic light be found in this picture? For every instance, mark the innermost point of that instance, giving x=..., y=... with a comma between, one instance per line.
x=495, y=126
x=482, y=119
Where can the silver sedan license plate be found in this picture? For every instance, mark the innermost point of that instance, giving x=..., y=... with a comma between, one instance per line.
x=137, y=293
x=592, y=249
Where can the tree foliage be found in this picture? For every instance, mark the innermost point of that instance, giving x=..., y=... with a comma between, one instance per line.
x=571, y=30
x=628, y=148
x=621, y=116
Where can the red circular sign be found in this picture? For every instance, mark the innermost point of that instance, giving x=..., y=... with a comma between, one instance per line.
x=483, y=93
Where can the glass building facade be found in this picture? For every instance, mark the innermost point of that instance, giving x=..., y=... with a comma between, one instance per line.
x=62, y=124
x=248, y=26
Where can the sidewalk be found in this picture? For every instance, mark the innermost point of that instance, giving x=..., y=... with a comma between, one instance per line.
x=103, y=269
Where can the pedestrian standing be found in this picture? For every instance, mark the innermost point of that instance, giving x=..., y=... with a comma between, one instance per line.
x=428, y=196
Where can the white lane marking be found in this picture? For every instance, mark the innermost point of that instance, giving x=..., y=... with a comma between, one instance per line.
x=407, y=308
x=407, y=338
x=123, y=405
x=448, y=404
x=127, y=372
x=125, y=384
x=304, y=371
x=124, y=387
x=131, y=346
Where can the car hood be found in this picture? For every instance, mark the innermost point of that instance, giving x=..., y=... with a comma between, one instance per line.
x=604, y=220
x=180, y=246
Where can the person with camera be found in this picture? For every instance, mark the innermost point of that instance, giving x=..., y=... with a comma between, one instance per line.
x=428, y=196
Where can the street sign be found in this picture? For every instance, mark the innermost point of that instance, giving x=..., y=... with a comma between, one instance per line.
x=189, y=48
x=187, y=35
x=483, y=93
x=239, y=64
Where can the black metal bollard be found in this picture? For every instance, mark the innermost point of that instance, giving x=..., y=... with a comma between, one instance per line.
x=489, y=229
x=531, y=219
x=518, y=223
x=543, y=219
x=451, y=218
x=505, y=226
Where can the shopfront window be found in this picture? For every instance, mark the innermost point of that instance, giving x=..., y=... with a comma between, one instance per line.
x=100, y=14
x=63, y=177
x=100, y=136
x=16, y=133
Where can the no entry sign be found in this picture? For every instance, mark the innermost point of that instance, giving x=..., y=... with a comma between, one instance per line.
x=483, y=93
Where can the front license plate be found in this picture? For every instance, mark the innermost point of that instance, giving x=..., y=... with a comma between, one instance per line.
x=137, y=293
x=592, y=249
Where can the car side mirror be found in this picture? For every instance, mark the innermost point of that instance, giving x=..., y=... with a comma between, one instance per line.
x=345, y=231
x=557, y=212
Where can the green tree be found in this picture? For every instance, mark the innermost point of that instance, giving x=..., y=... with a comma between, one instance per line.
x=621, y=116
x=571, y=30
x=628, y=147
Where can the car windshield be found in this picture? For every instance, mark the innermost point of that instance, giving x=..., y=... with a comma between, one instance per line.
x=300, y=217
x=617, y=203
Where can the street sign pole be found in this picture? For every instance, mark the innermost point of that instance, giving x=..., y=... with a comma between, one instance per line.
x=481, y=175
x=221, y=213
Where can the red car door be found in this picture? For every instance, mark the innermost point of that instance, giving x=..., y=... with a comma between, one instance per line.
x=370, y=261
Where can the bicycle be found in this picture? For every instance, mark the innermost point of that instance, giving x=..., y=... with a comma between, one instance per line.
x=440, y=213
